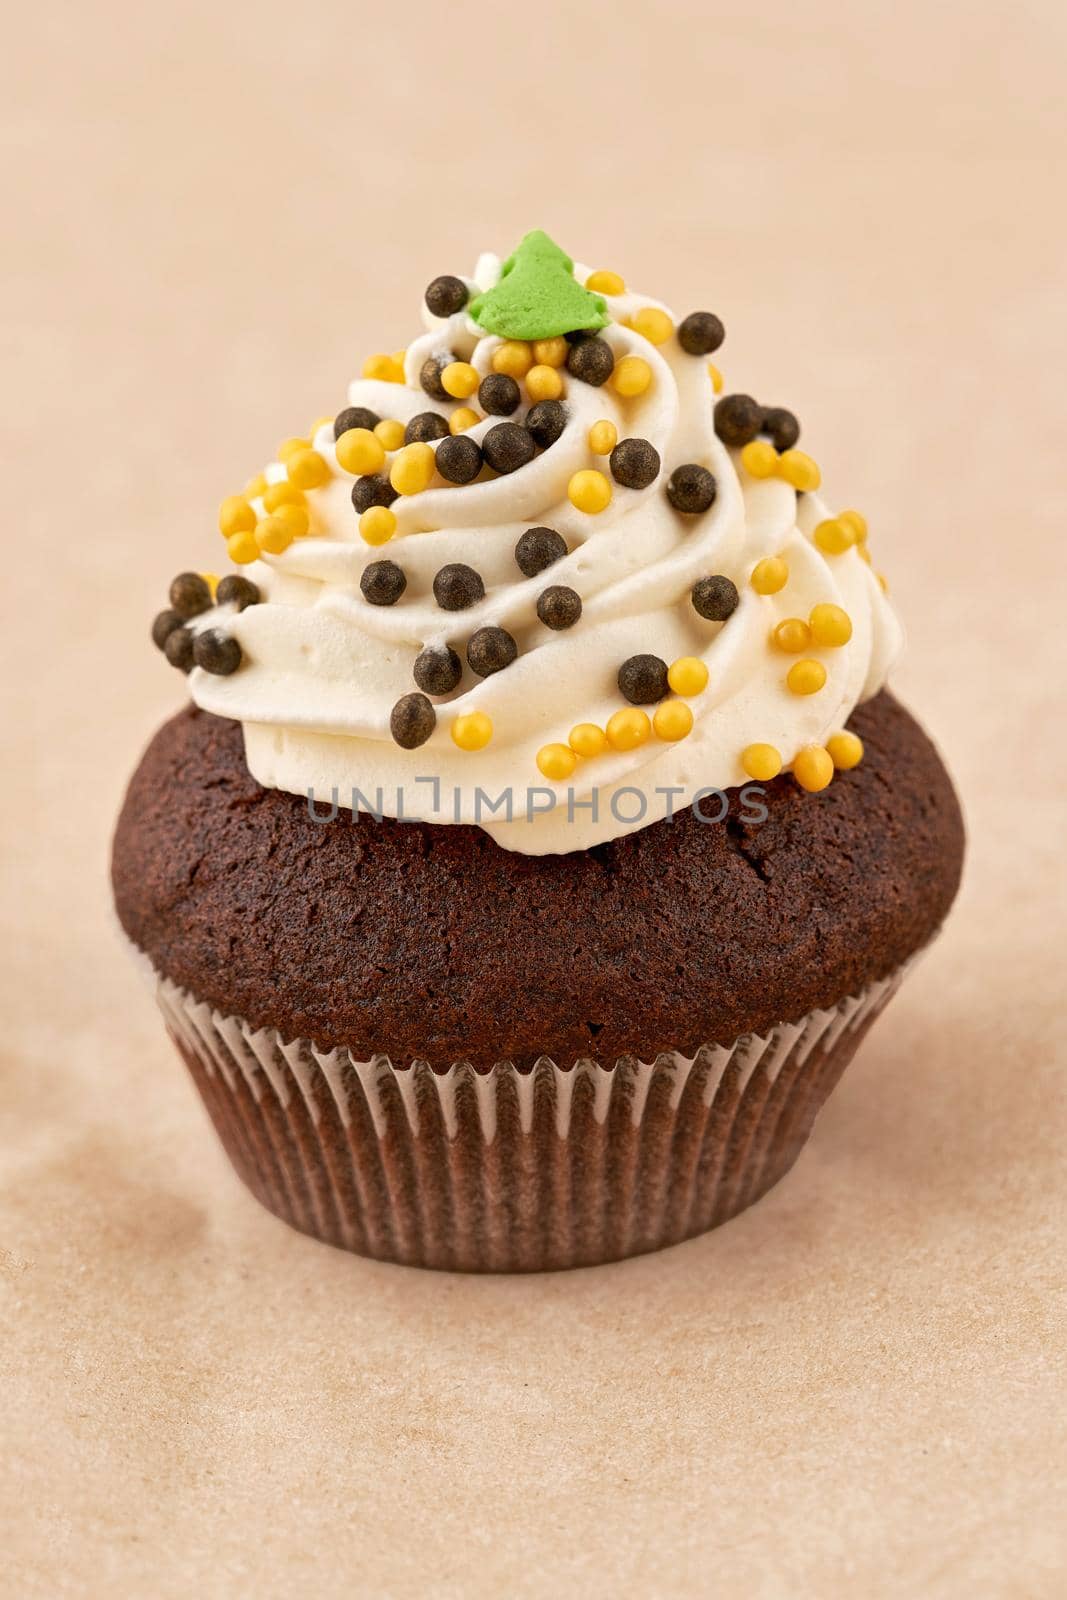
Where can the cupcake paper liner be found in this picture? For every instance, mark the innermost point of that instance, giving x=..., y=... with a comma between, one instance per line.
x=512, y=1171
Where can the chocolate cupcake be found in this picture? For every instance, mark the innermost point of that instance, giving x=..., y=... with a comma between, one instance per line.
x=541, y=840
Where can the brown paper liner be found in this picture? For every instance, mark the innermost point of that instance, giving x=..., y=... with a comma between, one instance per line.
x=507, y=1171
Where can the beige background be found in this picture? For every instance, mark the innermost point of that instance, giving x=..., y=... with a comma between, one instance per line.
x=858, y=1388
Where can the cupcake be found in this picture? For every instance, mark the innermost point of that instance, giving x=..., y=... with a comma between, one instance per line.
x=540, y=839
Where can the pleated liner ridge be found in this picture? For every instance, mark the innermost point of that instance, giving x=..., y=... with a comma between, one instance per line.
x=510, y=1171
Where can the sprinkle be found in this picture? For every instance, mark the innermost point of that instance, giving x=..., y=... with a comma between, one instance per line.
x=272, y=536
x=355, y=417
x=320, y=422
x=546, y=421
x=308, y=470
x=438, y=669
x=377, y=524
x=738, y=418
x=799, y=470
x=462, y=419
x=551, y=352
x=652, y=324
x=591, y=360
x=556, y=761
x=430, y=377
x=834, y=536
x=212, y=581
x=781, y=427
x=632, y=376
x=643, y=679
x=367, y=492
x=178, y=648
x=845, y=751
x=514, y=357
x=792, y=635
x=472, y=731
x=589, y=491
x=459, y=460
x=603, y=437
x=586, y=739
x=805, y=677
x=424, y=427
x=189, y=595
x=635, y=463
x=390, y=432
x=490, y=650
x=460, y=380
x=856, y=521
x=813, y=768
x=446, y=295
x=759, y=459
x=255, y=487
x=761, y=761
x=238, y=591
x=295, y=518
x=236, y=515
x=718, y=383
x=715, y=598
x=282, y=494
x=605, y=283
x=544, y=383
x=413, y=469
x=163, y=626
x=537, y=549
x=457, y=586
x=216, y=652
x=830, y=625
x=292, y=447
x=412, y=720
x=700, y=333
x=672, y=721
x=559, y=607
x=499, y=395
x=691, y=489
x=360, y=451
x=387, y=369
x=242, y=548
x=507, y=447
x=770, y=575
x=627, y=729
x=688, y=675
x=382, y=583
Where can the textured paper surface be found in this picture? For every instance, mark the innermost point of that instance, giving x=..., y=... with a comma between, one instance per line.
x=856, y=1388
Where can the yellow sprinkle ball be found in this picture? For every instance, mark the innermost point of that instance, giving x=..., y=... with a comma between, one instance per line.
x=834, y=537
x=588, y=740
x=856, y=521
x=377, y=524
x=652, y=324
x=845, y=751
x=320, y=422
x=272, y=536
x=603, y=437
x=551, y=352
x=605, y=283
x=688, y=675
x=627, y=729
x=514, y=357
x=462, y=419
x=631, y=377
x=412, y=469
x=717, y=381
x=242, y=548
x=212, y=581
x=295, y=519
x=672, y=720
x=760, y=459
x=761, y=761
x=806, y=677
x=255, y=486
x=792, y=635
x=769, y=575
x=460, y=380
x=292, y=447
x=830, y=625
x=589, y=491
x=281, y=494
x=235, y=515
x=308, y=470
x=473, y=730
x=543, y=383
x=388, y=369
x=556, y=761
x=360, y=451
x=813, y=768
x=799, y=469
x=390, y=433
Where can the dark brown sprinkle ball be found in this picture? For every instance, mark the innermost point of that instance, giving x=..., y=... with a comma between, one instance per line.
x=537, y=549
x=354, y=417
x=591, y=360
x=490, y=650
x=643, y=679
x=216, y=652
x=412, y=720
x=700, y=333
x=163, y=626
x=233, y=590
x=372, y=491
x=446, y=295
x=738, y=419
x=715, y=598
x=430, y=376
x=459, y=460
x=428, y=425
x=383, y=582
x=507, y=447
x=546, y=421
x=559, y=607
x=189, y=595
x=691, y=489
x=498, y=395
x=457, y=586
x=634, y=463
x=179, y=649
x=438, y=669
x=781, y=427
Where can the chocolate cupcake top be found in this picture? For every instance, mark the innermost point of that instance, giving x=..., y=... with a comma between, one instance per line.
x=628, y=562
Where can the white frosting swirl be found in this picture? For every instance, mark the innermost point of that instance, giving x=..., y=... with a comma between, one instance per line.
x=323, y=667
